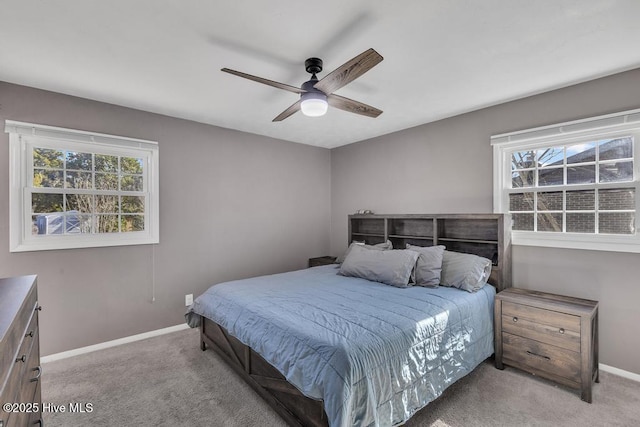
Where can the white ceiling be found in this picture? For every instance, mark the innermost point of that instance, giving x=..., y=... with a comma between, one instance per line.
x=442, y=57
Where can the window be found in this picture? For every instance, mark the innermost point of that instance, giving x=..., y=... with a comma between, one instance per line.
x=571, y=185
x=74, y=189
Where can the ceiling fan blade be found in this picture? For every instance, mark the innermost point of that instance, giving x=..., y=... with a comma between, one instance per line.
x=264, y=81
x=352, y=106
x=288, y=112
x=349, y=71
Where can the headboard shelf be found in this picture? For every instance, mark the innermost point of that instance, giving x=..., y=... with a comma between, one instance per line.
x=486, y=235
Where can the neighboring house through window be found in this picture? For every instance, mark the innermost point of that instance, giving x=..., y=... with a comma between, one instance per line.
x=573, y=184
x=71, y=189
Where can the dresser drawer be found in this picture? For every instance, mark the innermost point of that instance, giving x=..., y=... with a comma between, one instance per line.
x=14, y=337
x=527, y=353
x=31, y=374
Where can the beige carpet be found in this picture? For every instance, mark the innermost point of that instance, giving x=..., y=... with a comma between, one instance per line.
x=169, y=381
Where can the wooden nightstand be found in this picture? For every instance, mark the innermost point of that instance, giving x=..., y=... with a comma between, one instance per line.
x=323, y=260
x=552, y=336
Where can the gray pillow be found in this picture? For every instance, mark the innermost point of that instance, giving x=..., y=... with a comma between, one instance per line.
x=378, y=247
x=389, y=267
x=465, y=271
x=429, y=265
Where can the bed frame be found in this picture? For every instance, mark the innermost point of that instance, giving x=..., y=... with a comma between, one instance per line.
x=486, y=235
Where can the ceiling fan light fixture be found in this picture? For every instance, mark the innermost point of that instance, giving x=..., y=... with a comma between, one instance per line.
x=314, y=104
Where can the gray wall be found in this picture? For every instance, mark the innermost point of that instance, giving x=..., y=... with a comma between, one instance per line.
x=232, y=205
x=446, y=166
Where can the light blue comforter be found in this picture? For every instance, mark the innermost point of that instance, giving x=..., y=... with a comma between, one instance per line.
x=375, y=354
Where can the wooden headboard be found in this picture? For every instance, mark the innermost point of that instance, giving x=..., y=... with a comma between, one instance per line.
x=486, y=235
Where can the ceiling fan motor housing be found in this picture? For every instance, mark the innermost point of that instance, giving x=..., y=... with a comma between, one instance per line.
x=313, y=65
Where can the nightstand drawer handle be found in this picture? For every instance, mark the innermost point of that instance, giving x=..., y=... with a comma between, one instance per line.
x=538, y=355
x=22, y=359
x=561, y=330
x=30, y=334
x=515, y=319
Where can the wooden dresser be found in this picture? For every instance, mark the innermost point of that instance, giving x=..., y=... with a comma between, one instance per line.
x=552, y=336
x=19, y=352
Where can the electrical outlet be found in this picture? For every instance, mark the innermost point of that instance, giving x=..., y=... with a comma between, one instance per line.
x=188, y=299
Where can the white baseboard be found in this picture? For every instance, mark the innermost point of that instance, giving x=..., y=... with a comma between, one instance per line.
x=619, y=372
x=120, y=341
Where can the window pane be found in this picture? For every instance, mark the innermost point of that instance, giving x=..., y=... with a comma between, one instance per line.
x=616, y=172
x=107, y=204
x=131, y=165
x=581, y=201
x=522, y=221
x=106, y=163
x=585, y=174
x=48, y=158
x=106, y=181
x=132, y=223
x=553, y=156
x=581, y=153
x=107, y=223
x=76, y=223
x=550, y=222
x=551, y=176
x=523, y=160
x=34, y=225
x=79, y=180
x=132, y=204
x=46, y=203
x=616, y=222
x=131, y=183
x=521, y=202
x=52, y=223
x=47, y=178
x=79, y=161
x=619, y=148
x=82, y=203
x=581, y=222
x=617, y=199
x=522, y=178
x=551, y=201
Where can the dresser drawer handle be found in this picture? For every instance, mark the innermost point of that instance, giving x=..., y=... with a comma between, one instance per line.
x=37, y=377
x=30, y=334
x=538, y=355
x=39, y=308
x=561, y=330
x=515, y=319
x=22, y=359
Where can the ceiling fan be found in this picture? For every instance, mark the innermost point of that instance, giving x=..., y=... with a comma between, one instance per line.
x=316, y=95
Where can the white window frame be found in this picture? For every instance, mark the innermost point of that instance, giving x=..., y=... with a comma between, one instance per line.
x=23, y=137
x=626, y=123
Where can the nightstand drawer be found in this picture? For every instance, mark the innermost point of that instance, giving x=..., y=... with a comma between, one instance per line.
x=550, y=334
x=539, y=315
x=526, y=353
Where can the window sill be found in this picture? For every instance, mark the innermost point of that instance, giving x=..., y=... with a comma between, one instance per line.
x=610, y=243
x=89, y=241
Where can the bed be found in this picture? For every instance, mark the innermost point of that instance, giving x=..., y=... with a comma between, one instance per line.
x=325, y=349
